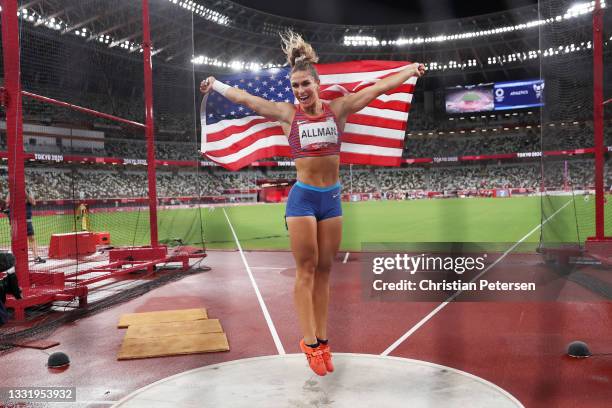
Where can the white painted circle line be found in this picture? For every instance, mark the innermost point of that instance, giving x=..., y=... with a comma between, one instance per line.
x=480, y=380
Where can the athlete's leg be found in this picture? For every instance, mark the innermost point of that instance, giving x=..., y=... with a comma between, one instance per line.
x=303, y=238
x=329, y=235
x=33, y=248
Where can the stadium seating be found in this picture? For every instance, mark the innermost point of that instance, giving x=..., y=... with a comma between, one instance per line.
x=84, y=182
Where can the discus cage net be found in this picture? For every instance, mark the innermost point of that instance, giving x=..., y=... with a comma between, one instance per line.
x=575, y=63
x=81, y=128
x=99, y=128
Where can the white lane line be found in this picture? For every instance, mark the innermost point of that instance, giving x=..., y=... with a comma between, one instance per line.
x=450, y=299
x=346, y=257
x=264, y=309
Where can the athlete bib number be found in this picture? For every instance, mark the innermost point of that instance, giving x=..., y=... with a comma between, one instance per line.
x=317, y=135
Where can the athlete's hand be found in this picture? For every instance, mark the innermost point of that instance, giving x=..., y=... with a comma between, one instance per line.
x=419, y=69
x=206, y=85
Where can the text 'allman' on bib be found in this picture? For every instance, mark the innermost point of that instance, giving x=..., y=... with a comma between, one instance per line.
x=318, y=134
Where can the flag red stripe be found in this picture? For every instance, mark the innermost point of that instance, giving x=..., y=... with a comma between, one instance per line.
x=403, y=88
x=368, y=159
x=256, y=155
x=358, y=66
x=247, y=141
x=232, y=130
x=372, y=140
x=376, y=103
x=392, y=105
x=376, y=121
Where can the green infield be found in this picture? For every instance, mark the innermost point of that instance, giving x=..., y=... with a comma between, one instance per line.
x=262, y=226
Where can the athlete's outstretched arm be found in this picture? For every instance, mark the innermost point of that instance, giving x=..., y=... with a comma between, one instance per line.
x=352, y=103
x=280, y=111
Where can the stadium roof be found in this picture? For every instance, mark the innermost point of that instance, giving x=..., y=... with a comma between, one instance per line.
x=381, y=12
x=227, y=34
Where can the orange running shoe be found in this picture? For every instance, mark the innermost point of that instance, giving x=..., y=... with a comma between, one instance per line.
x=327, y=357
x=315, y=358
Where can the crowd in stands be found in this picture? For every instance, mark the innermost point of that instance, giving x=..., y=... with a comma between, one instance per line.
x=120, y=148
x=418, y=144
x=137, y=149
x=100, y=182
x=506, y=139
x=359, y=180
x=61, y=182
x=34, y=111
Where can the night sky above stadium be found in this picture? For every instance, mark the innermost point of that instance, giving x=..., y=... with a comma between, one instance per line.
x=380, y=12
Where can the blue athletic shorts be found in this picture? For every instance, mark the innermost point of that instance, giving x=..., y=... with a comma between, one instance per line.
x=307, y=200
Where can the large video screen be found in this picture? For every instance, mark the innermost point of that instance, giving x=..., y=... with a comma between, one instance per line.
x=519, y=94
x=470, y=98
x=497, y=96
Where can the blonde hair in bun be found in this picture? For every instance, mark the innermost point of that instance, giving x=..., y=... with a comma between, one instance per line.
x=300, y=55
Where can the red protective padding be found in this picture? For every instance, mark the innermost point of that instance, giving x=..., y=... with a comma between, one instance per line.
x=600, y=249
x=137, y=254
x=72, y=244
x=102, y=238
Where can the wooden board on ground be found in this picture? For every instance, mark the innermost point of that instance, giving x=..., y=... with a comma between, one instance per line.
x=172, y=345
x=143, y=331
x=37, y=344
x=164, y=316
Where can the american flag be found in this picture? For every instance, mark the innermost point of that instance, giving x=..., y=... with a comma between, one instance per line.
x=234, y=136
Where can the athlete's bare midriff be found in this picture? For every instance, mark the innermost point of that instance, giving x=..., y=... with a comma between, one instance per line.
x=318, y=171
x=322, y=171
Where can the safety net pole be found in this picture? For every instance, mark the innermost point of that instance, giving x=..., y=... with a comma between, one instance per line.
x=81, y=109
x=14, y=135
x=149, y=130
x=598, y=118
